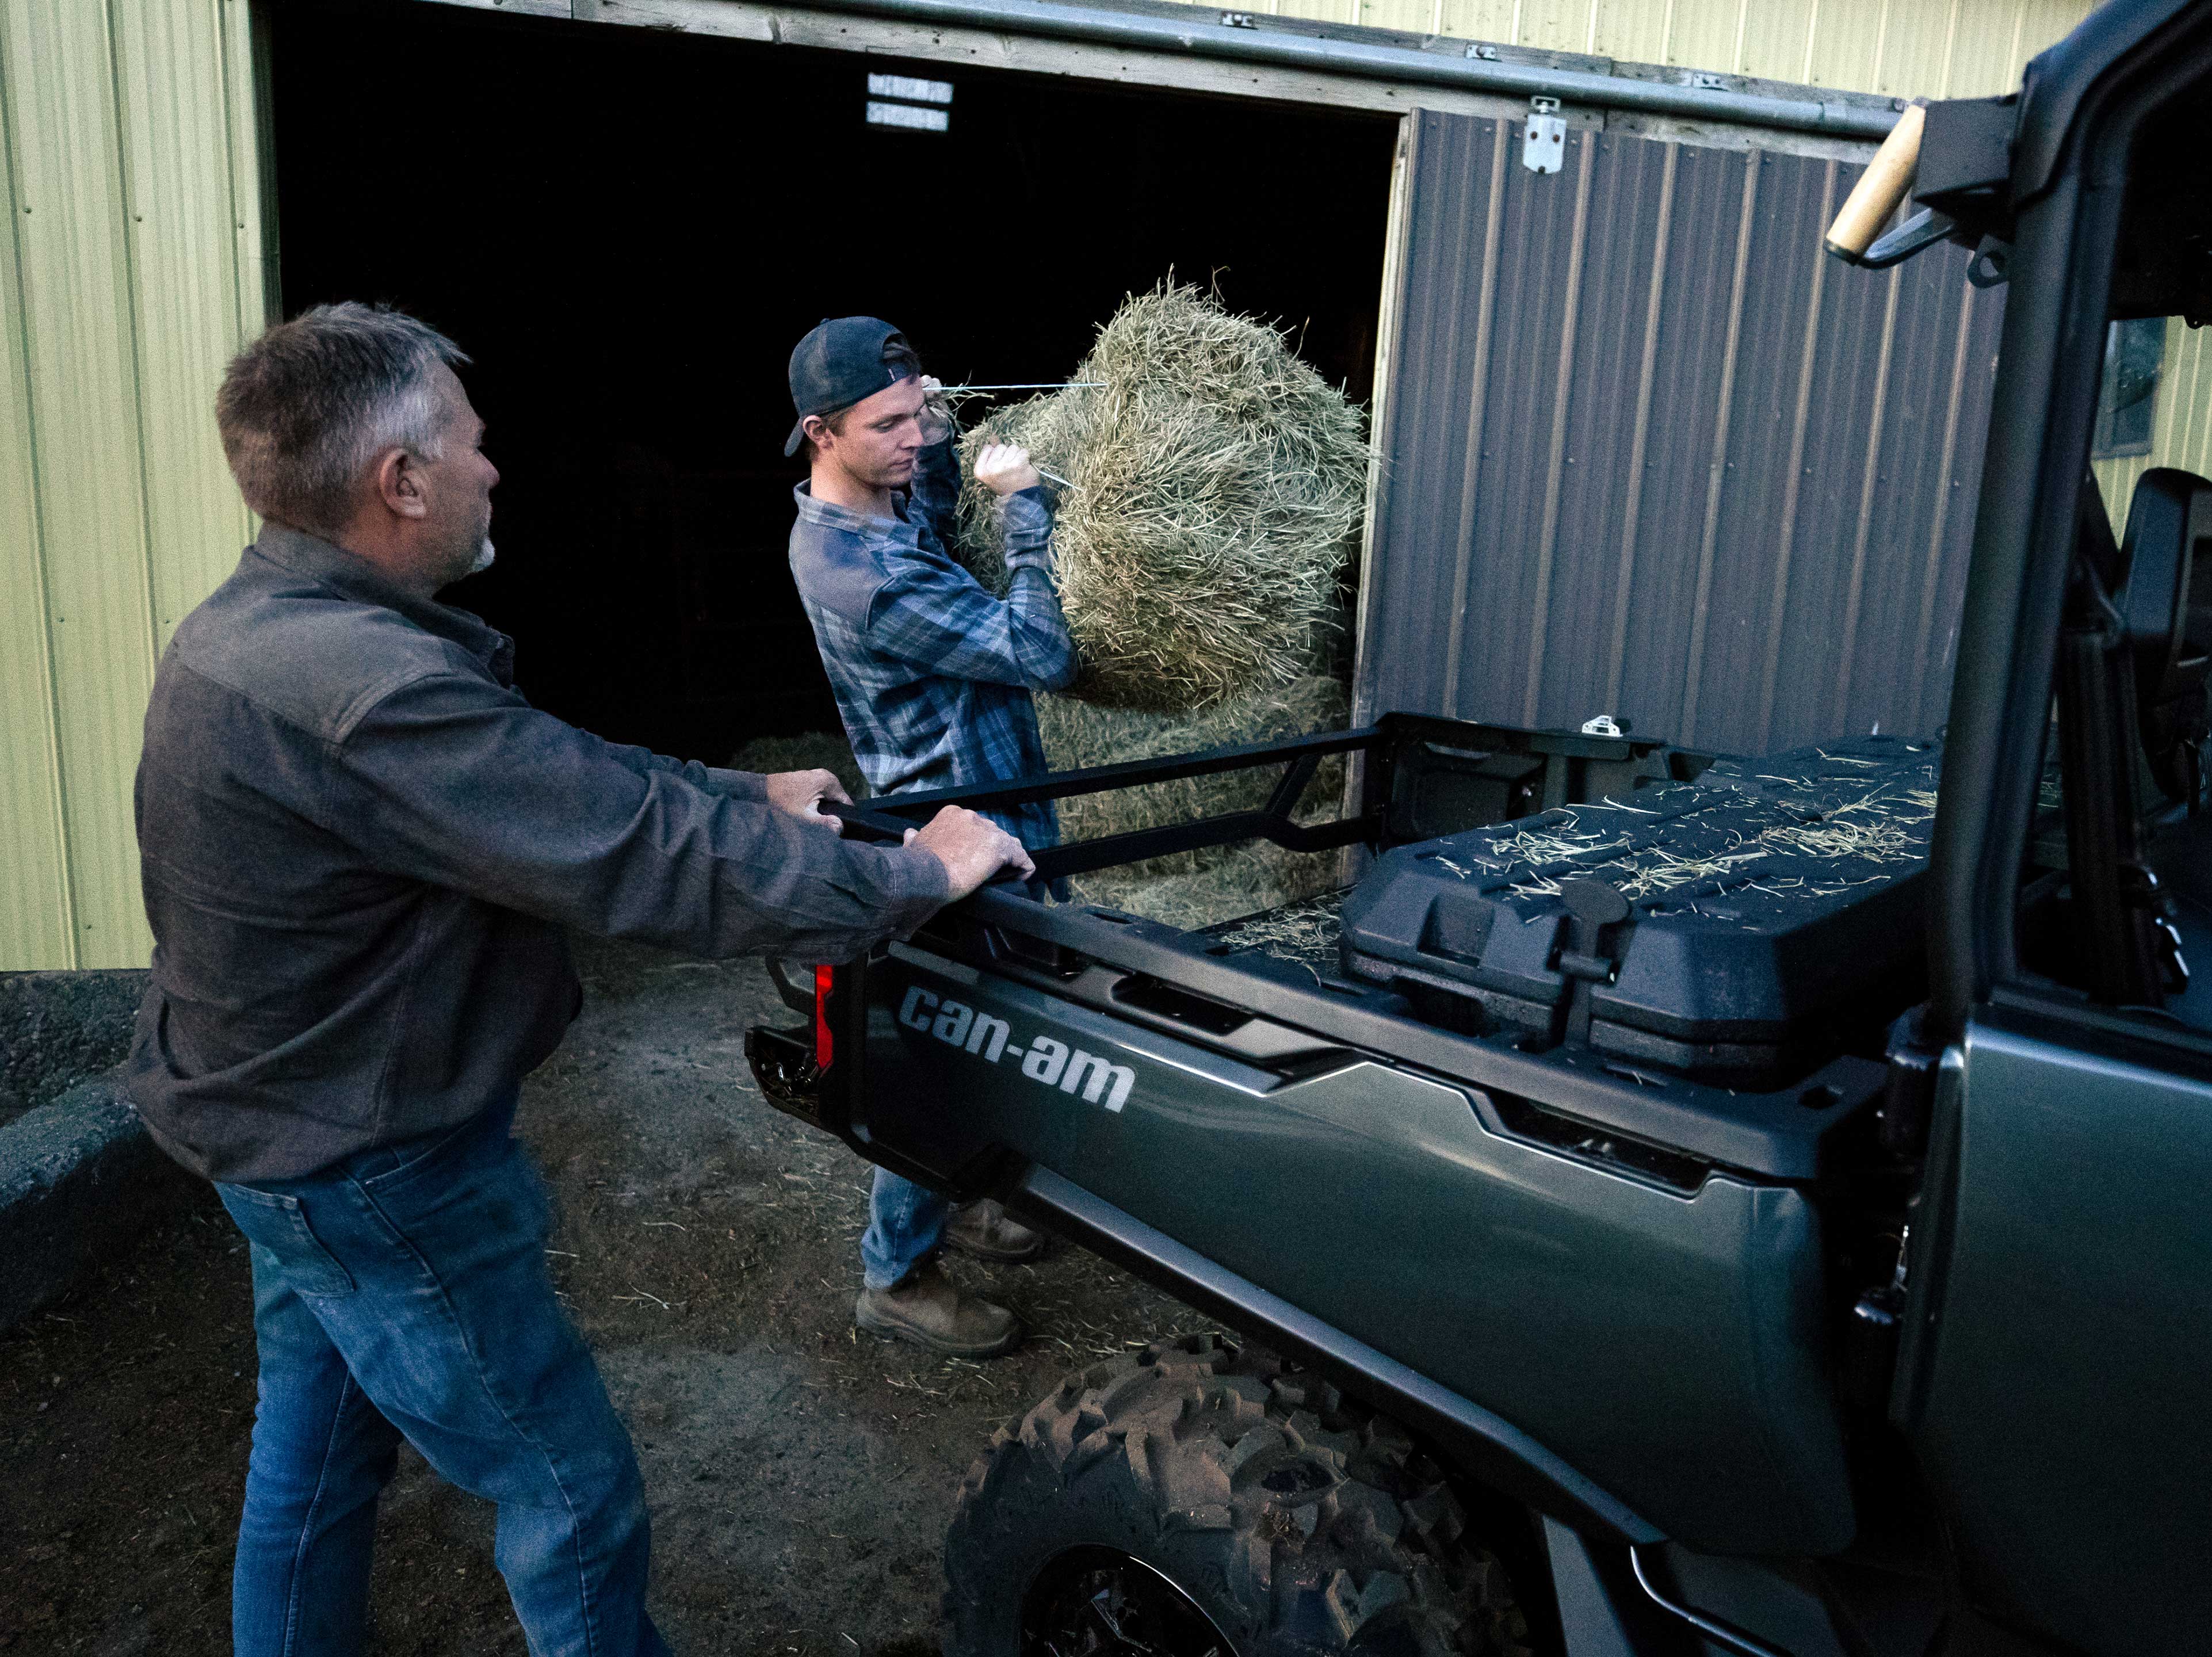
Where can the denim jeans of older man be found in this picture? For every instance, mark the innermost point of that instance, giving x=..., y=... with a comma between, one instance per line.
x=404, y=1294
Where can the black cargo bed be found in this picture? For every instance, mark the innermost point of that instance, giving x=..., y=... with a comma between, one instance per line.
x=1734, y=928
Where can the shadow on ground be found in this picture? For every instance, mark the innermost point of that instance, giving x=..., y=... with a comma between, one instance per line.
x=800, y=1475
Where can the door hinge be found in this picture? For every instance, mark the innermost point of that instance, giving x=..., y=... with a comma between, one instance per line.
x=1870, y=1344
x=1908, y=1097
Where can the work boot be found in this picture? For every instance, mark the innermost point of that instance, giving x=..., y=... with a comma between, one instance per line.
x=985, y=1230
x=926, y=1310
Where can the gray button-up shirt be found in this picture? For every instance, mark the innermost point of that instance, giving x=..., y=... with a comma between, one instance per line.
x=360, y=847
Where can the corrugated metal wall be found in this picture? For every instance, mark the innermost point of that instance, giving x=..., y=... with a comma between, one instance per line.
x=1649, y=452
x=133, y=265
x=1926, y=48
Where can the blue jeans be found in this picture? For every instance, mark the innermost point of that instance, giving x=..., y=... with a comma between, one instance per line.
x=404, y=1294
x=906, y=1223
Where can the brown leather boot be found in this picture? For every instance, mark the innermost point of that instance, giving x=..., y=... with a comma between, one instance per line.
x=926, y=1310
x=985, y=1230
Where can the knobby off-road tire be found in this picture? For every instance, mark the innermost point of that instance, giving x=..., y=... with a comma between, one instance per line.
x=1298, y=1522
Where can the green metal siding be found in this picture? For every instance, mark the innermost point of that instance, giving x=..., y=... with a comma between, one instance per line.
x=133, y=267
x=1930, y=48
x=36, y=921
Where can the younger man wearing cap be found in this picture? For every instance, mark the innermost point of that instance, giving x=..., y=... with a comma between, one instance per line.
x=933, y=675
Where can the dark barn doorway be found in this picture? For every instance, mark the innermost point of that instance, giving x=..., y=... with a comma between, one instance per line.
x=627, y=230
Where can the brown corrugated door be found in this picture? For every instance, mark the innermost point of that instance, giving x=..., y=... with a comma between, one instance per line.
x=1648, y=451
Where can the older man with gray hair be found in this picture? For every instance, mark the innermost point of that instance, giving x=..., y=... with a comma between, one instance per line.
x=361, y=848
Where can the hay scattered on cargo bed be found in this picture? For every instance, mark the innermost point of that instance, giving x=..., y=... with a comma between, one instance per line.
x=1868, y=836
x=1220, y=488
x=1839, y=821
x=1305, y=934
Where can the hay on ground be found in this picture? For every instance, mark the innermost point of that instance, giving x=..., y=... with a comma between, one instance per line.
x=1220, y=485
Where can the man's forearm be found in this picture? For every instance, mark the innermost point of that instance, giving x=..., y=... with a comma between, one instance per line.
x=734, y=785
x=451, y=780
x=764, y=882
x=1026, y=523
x=1037, y=628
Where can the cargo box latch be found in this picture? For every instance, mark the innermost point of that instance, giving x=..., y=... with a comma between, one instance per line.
x=1598, y=925
x=1590, y=969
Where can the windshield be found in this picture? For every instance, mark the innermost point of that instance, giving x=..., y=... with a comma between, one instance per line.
x=2116, y=895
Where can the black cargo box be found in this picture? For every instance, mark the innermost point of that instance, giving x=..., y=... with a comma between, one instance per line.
x=1732, y=928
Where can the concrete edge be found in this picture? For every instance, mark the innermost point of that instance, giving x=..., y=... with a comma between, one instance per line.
x=79, y=1178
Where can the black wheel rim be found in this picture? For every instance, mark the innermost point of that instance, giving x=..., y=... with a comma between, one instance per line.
x=1101, y=1602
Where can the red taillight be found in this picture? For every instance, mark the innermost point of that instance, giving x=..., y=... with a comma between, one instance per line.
x=824, y=1048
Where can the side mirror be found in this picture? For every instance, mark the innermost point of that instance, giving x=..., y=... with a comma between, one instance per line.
x=2166, y=606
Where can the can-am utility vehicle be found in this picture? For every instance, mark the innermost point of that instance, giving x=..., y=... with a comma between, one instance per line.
x=1675, y=1203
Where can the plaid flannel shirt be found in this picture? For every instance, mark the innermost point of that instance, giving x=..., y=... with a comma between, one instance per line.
x=932, y=673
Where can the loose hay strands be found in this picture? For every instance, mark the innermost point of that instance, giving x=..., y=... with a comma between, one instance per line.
x=1219, y=487
x=1877, y=829
x=1878, y=833
x=1304, y=933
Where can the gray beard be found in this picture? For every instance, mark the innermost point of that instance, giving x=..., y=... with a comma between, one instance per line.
x=484, y=559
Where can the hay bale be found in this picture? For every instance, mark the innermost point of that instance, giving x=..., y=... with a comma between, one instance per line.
x=806, y=750
x=1080, y=734
x=1196, y=888
x=1240, y=881
x=1220, y=490
x=1192, y=889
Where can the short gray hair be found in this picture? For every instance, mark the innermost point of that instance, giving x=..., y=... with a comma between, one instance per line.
x=305, y=408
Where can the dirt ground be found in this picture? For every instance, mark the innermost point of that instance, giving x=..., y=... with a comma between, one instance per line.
x=800, y=1475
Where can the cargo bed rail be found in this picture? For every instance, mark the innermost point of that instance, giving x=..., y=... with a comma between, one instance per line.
x=890, y=816
x=1415, y=777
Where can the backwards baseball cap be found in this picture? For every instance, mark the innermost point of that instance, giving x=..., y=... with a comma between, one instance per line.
x=839, y=362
